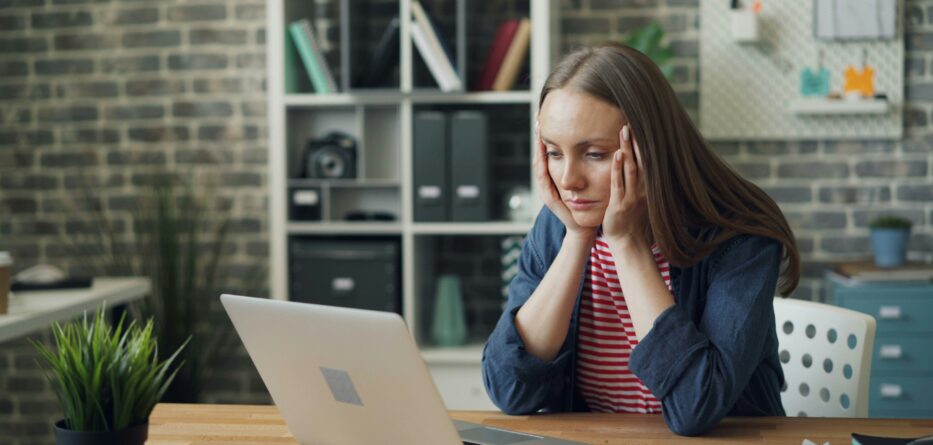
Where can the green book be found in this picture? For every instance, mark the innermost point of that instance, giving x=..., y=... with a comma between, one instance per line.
x=292, y=85
x=301, y=35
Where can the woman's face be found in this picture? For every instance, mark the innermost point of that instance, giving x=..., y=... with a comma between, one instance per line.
x=580, y=134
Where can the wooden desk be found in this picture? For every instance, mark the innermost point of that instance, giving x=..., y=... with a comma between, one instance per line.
x=252, y=424
x=36, y=310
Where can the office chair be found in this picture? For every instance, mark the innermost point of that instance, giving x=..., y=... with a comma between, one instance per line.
x=825, y=352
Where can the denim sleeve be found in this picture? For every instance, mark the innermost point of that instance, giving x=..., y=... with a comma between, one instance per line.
x=699, y=369
x=518, y=382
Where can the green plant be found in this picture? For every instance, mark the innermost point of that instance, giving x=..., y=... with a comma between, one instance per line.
x=105, y=378
x=184, y=250
x=647, y=39
x=178, y=239
x=890, y=222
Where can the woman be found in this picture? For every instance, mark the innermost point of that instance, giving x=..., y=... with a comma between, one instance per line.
x=647, y=282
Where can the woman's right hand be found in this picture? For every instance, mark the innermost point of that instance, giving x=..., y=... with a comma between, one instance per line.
x=551, y=196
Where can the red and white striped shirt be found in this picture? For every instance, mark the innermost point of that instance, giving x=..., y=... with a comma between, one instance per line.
x=607, y=337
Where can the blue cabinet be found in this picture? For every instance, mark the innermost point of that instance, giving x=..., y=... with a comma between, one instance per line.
x=902, y=362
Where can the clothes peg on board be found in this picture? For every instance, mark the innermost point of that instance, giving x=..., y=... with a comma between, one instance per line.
x=815, y=83
x=859, y=82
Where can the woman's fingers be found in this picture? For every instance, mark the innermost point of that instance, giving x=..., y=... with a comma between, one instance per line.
x=541, y=173
x=641, y=163
x=617, y=181
x=641, y=167
x=630, y=168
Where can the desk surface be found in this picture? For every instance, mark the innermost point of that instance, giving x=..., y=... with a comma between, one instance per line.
x=252, y=424
x=32, y=311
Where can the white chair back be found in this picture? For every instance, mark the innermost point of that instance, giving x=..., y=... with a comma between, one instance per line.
x=825, y=352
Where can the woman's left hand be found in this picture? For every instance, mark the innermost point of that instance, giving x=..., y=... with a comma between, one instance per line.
x=626, y=218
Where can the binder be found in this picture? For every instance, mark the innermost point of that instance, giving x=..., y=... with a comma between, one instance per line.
x=469, y=167
x=429, y=149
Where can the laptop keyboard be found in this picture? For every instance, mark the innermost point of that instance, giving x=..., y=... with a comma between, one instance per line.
x=493, y=436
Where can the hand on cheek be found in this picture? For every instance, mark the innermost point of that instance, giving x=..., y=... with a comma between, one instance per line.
x=625, y=220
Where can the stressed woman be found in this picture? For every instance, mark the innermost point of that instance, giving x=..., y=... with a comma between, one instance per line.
x=646, y=284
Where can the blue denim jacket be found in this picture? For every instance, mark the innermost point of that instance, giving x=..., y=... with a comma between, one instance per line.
x=713, y=354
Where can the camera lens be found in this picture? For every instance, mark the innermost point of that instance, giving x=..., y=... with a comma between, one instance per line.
x=331, y=165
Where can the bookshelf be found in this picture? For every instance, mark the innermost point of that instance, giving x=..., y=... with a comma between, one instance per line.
x=381, y=121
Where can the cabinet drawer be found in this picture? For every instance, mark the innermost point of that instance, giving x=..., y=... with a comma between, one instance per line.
x=899, y=413
x=901, y=393
x=461, y=386
x=898, y=353
x=905, y=310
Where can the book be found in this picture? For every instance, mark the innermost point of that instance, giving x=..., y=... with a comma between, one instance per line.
x=433, y=45
x=433, y=60
x=514, y=58
x=384, y=57
x=322, y=79
x=292, y=84
x=866, y=271
x=495, y=56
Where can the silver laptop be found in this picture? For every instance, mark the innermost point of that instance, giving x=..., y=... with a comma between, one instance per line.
x=351, y=376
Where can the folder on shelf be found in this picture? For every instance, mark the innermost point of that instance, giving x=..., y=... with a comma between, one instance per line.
x=429, y=46
x=495, y=56
x=469, y=166
x=429, y=153
x=384, y=57
x=514, y=58
x=322, y=79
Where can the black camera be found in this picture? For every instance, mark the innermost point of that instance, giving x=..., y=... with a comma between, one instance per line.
x=330, y=157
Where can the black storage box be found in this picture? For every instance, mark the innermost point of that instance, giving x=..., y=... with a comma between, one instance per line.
x=304, y=203
x=355, y=273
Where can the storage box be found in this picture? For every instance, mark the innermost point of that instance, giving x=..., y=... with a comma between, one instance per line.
x=355, y=273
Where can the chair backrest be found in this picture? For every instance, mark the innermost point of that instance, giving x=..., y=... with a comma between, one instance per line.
x=825, y=352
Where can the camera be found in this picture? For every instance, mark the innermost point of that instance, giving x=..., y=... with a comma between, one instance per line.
x=330, y=157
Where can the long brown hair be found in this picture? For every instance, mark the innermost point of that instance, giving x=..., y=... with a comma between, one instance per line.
x=690, y=189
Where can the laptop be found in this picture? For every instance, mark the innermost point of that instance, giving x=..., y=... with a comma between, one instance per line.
x=351, y=376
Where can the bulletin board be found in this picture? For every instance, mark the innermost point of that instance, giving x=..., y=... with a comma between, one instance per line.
x=746, y=89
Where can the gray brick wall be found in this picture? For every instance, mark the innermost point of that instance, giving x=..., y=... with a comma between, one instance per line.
x=114, y=92
x=104, y=95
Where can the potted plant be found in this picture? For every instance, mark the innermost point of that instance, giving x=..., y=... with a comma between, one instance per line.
x=107, y=380
x=889, y=236
x=179, y=240
x=647, y=39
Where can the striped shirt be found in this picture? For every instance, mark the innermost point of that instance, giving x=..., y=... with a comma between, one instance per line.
x=607, y=336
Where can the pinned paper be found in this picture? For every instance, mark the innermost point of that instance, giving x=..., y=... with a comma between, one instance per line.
x=814, y=83
x=859, y=81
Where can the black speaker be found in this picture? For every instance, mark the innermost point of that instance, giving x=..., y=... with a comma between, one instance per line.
x=330, y=157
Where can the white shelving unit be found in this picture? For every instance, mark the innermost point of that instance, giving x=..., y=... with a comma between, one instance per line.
x=838, y=107
x=382, y=120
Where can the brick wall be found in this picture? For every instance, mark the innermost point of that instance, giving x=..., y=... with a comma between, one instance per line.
x=108, y=93
x=102, y=96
